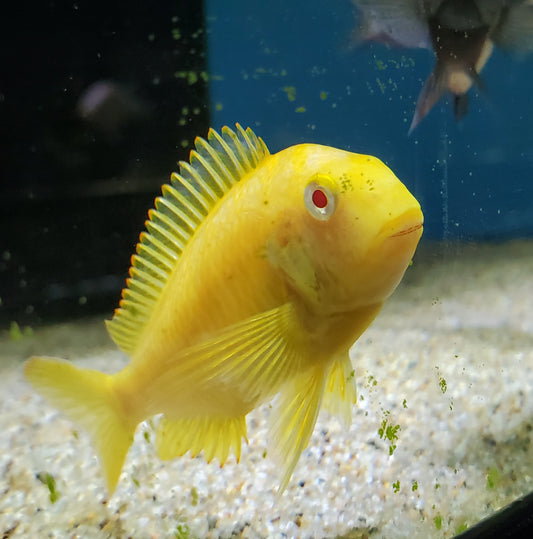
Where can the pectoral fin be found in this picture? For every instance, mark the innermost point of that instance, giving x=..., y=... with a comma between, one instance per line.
x=236, y=368
x=430, y=94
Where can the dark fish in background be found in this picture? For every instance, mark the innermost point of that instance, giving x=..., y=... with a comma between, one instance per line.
x=461, y=33
x=460, y=39
x=110, y=108
x=396, y=23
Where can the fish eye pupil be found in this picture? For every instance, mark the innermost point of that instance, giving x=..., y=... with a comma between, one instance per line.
x=320, y=199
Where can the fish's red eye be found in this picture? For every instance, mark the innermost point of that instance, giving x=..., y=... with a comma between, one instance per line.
x=320, y=199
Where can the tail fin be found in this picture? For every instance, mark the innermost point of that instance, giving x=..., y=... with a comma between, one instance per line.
x=86, y=397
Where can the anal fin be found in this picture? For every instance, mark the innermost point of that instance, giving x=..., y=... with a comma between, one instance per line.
x=215, y=436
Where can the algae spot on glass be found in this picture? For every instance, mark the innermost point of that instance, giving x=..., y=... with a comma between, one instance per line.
x=16, y=333
x=389, y=432
x=461, y=528
x=194, y=496
x=48, y=480
x=182, y=532
x=493, y=477
x=291, y=92
x=191, y=76
x=381, y=85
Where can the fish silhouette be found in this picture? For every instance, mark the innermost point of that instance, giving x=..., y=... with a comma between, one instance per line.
x=255, y=275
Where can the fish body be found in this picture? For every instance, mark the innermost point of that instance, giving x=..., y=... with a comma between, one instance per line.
x=461, y=33
x=255, y=275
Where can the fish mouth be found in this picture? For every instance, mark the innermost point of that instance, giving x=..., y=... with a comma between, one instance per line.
x=407, y=223
x=407, y=230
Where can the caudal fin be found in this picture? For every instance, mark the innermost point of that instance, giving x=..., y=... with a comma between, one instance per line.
x=86, y=397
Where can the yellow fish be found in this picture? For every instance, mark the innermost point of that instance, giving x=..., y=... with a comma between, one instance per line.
x=254, y=277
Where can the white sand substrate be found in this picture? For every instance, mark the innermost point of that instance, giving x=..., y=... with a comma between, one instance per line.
x=449, y=360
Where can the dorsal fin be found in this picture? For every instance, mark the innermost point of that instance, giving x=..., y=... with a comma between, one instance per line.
x=215, y=166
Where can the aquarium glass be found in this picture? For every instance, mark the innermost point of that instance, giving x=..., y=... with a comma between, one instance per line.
x=99, y=103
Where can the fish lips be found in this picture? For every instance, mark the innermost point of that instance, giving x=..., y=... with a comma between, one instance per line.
x=406, y=224
x=408, y=230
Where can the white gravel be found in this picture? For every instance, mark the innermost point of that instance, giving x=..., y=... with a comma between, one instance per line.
x=450, y=360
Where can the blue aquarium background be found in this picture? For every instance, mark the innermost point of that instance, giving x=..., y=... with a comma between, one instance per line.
x=75, y=194
x=293, y=72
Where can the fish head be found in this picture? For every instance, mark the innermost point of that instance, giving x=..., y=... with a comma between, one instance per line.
x=348, y=230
